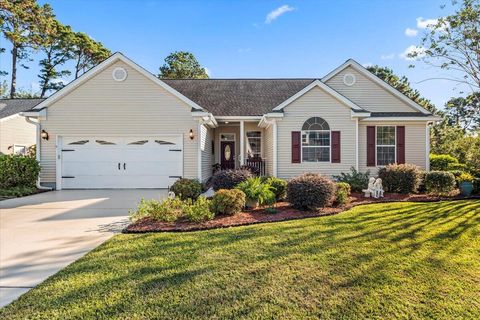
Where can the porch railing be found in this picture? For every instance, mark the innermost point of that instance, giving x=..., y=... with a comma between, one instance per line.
x=257, y=164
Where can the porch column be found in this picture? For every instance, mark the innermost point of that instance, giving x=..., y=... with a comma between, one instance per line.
x=242, y=142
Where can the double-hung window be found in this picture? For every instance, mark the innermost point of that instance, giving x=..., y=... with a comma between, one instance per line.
x=315, y=140
x=386, y=145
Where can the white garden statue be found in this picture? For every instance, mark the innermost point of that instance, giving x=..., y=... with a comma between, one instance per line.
x=370, y=191
x=378, y=189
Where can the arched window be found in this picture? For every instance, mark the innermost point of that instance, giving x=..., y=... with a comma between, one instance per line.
x=315, y=140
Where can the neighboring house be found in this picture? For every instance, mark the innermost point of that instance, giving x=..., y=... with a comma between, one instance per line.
x=118, y=126
x=16, y=134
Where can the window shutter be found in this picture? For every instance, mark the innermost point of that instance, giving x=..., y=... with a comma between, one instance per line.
x=296, y=145
x=371, y=146
x=335, y=146
x=401, y=144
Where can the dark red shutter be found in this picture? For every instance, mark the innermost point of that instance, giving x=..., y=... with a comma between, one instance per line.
x=335, y=146
x=401, y=144
x=296, y=145
x=371, y=146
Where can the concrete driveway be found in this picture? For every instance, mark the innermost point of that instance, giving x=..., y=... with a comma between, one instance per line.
x=43, y=233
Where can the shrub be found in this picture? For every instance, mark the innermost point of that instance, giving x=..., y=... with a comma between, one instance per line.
x=439, y=182
x=228, y=202
x=253, y=170
x=310, y=191
x=168, y=210
x=199, y=210
x=256, y=190
x=18, y=191
x=442, y=162
x=401, y=178
x=228, y=179
x=18, y=171
x=279, y=187
x=342, y=193
x=357, y=180
x=187, y=188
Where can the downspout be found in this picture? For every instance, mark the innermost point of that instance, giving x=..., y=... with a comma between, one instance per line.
x=37, y=151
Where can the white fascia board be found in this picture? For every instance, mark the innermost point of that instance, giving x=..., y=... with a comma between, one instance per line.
x=362, y=70
x=101, y=66
x=40, y=114
x=238, y=118
x=431, y=118
x=359, y=114
x=268, y=119
x=321, y=85
x=205, y=118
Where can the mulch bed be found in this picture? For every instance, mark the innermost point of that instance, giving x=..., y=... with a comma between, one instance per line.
x=284, y=212
x=2, y=197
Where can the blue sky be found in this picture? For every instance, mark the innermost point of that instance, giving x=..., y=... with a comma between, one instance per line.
x=235, y=39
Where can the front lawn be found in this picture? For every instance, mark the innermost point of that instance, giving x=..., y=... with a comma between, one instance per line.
x=395, y=260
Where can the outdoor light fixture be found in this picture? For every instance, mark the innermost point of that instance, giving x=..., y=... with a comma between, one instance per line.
x=191, y=135
x=44, y=135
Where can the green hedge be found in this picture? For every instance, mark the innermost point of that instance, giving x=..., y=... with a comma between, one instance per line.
x=439, y=182
x=401, y=178
x=18, y=171
x=443, y=162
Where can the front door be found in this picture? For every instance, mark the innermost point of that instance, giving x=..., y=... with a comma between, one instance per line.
x=227, y=157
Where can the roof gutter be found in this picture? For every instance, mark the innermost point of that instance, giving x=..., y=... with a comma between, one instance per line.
x=269, y=118
x=427, y=118
x=205, y=118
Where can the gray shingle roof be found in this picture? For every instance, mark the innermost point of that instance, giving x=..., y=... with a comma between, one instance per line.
x=238, y=97
x=9, y=107
x=399, y=114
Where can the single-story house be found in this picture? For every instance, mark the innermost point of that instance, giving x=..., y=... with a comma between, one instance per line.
x=16, y=134
x=119, y=126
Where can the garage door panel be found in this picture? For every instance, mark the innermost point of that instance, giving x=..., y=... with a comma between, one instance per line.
x=145, y=162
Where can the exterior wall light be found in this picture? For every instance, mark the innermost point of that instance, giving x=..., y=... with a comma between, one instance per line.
x=191, y=135
x=44, y=135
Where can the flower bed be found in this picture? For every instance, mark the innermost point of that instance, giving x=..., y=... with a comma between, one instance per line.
x=284, y=212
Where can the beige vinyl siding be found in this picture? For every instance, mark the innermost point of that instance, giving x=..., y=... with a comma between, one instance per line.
x=16, y=130
x=102, y=106
x=367, y=94
x=206, y=149
x=415, y=143
x=268, y=149
x=315, y=103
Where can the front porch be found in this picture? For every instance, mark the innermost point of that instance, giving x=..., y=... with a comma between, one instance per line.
x=242, y=142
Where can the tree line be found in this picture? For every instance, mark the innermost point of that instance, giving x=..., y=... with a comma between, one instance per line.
x=34, y=31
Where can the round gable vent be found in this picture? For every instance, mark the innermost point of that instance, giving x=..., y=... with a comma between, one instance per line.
x=119, y=74
x=349, y=79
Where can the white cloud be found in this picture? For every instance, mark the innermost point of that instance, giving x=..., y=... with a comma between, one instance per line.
x=411, y=32
x=420, y=51
x=367, y=64
x=387, y=56
x=58, y=80
x=244, y=50
x=208, y=71
x=278, y=12
x=426, y=23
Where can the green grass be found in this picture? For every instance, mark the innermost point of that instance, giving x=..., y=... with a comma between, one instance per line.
x=397, y=260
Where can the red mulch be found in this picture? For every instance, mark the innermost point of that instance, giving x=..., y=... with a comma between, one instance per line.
x=284, y=212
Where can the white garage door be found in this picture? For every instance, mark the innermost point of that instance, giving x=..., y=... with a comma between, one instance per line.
x=121, y=162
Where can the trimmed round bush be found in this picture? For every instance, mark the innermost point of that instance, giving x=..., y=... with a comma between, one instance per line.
x=187, y=188
x=342, y=193
x=401, y=178
x=279, y=187
x=310, y=191
x=18, y=171
x=442, y=162
x=439, y=182
x=228, y=202
x=229, y=179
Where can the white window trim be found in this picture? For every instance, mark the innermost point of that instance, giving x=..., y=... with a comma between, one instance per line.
x=15, y=145
x=385, y=145
x=329, y=146
x=261, y=140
